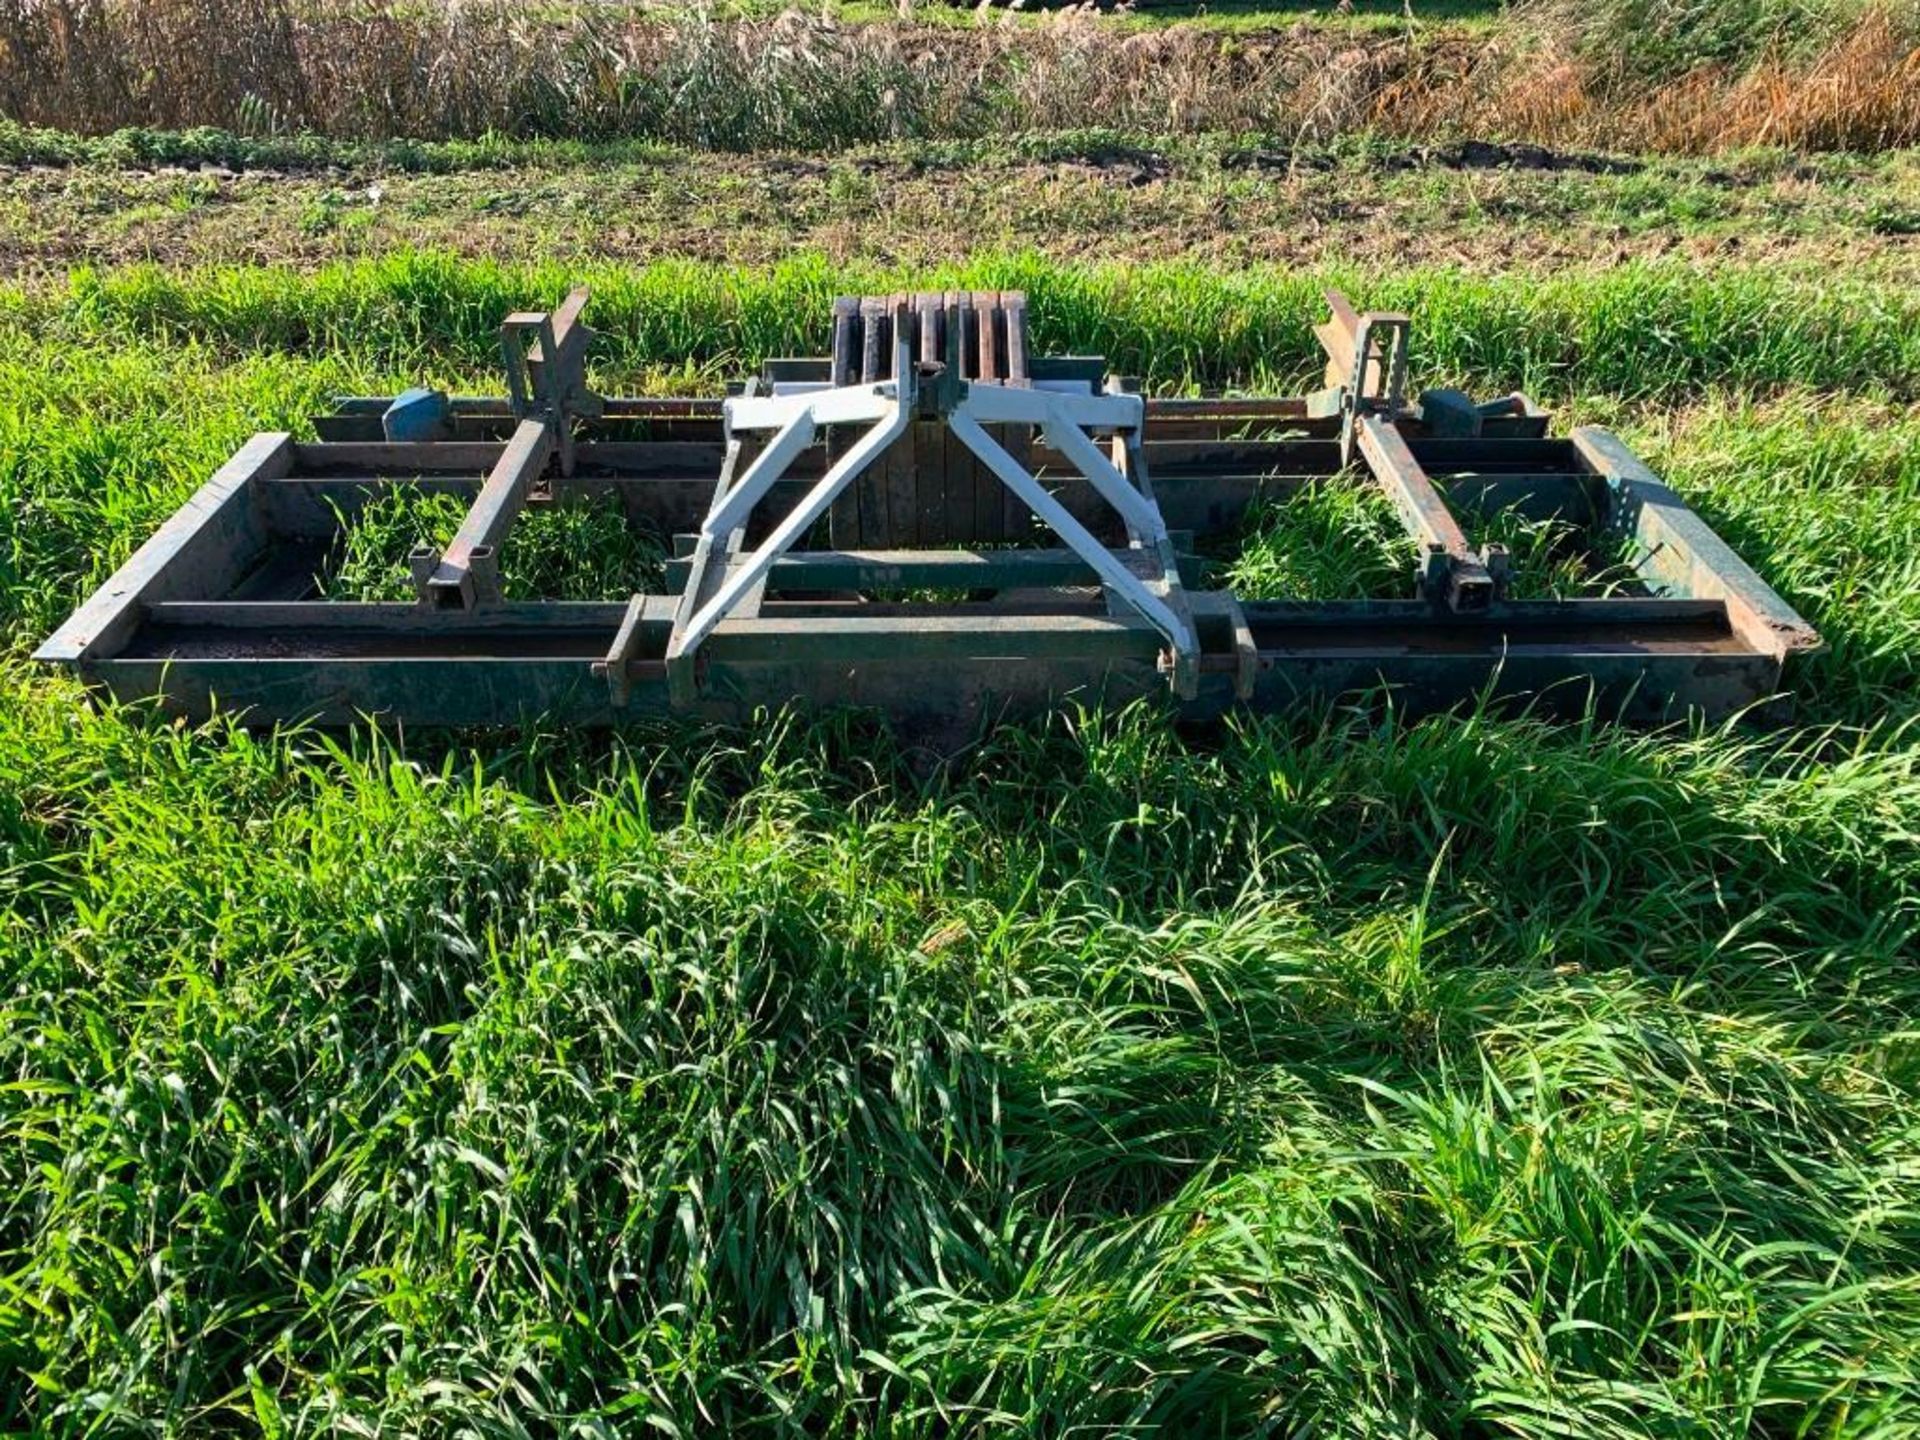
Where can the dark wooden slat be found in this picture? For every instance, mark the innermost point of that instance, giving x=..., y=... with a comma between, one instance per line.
x=986, y=307
x=1013, y=305
x=927, y=320
x=928, y=439
x=896, y=464
x=846, y=346
x=843, y=516
x=960, y=323
x=872, y=364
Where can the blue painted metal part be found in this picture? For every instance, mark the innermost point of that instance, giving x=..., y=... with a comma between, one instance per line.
x=417, y=414
x=1452, y=414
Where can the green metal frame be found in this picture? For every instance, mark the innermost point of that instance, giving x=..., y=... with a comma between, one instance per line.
x=215, y=611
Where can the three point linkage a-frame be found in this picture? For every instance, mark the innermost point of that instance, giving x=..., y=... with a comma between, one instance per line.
x=931, y=520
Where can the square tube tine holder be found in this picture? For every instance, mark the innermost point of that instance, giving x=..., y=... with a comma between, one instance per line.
x=1367, y=363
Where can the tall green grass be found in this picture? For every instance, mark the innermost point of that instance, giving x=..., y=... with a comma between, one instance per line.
x=571, y=549
x=1331, y=1073
x=1104, y=1082
x=1639, y=330
x=1340, y=539
x=1825, y=500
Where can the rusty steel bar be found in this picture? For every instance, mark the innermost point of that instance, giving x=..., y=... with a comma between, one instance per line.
x=1452, y=571
x=467, y=573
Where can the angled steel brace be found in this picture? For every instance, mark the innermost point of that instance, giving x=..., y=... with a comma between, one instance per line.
x=712, y=596
x=798, y=521
x=1119, y=580
x=1064, y=419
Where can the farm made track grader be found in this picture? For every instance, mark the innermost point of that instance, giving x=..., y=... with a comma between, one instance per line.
x=932, y=520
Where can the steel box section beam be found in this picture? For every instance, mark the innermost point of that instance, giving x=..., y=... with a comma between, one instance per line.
x=1204, y=487
x=514, y=624
x=396, y=457
x=336, y=661
x=313, y=507
x=1681, y=553
x=468, y=572
x=818, y=639
x=1453, y=572
x=465, y=692
x=497, y=407
x=800, y=571
x=200, y=552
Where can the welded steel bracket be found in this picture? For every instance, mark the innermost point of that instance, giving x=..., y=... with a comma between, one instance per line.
x=726, y=578
x=545, y=356
x=1064, y=419
x=1366, y=366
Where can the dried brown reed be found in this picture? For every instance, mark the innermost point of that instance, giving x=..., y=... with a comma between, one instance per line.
x=461, y=68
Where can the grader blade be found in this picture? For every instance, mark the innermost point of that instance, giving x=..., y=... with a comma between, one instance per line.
x=932, y=519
